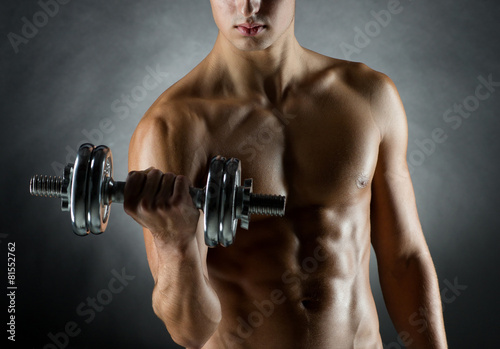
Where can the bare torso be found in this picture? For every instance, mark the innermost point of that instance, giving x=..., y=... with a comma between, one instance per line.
x=300, y=281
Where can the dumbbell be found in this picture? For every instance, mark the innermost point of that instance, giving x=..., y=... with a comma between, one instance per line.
x=87, y=190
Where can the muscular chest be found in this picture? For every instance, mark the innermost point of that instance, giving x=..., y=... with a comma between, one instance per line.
x=314, y=151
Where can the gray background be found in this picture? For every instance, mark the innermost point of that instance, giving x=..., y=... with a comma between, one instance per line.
x=63, y=82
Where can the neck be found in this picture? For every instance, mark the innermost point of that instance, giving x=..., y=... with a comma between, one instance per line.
x=266, y=73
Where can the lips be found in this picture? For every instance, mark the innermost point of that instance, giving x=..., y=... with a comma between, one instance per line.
x=250, y=29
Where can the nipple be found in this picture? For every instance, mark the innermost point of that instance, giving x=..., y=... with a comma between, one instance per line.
x=362, y=181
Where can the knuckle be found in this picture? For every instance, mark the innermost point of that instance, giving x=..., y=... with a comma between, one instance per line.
x=145, y=206
x=133, y=176
x=168, y=176
x=154, y=173
x=129, y=209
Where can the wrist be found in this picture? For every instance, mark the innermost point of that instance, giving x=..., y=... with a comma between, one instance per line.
x=175, y=252
x=174, y=243
x=176, y=264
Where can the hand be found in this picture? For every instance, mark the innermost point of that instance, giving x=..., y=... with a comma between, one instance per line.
x=161, y=203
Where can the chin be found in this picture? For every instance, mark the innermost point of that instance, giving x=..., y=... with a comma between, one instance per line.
x=251, y=48
x=251, y=44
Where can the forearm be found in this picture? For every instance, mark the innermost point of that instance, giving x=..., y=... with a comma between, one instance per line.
x=183, y=299
x=411, y=293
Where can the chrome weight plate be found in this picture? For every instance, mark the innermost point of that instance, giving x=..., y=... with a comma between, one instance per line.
x=79, y=183
x=100, y=172
x=231, y=180
x=212, y=207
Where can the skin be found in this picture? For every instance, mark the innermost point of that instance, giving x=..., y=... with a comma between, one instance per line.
x=331, y=135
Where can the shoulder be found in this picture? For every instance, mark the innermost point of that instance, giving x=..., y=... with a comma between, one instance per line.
x=360, y=78
x=171, y=135
x=168, y=137
x=162, y=121
x=166, y=117
x=374, y=85
x=374, y=88
x=353, y=77
x=357, y=83
x=379, y=92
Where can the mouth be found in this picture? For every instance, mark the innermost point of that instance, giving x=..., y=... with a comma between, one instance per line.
x=247, y=29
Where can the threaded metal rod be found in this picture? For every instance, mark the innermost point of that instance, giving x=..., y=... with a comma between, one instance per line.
x=47, y=186
x=271, y=205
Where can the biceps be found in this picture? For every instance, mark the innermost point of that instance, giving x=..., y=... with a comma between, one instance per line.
x=152, y=146
x=396, y=230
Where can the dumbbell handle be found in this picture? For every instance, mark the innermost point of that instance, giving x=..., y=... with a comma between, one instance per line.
x=113, y=191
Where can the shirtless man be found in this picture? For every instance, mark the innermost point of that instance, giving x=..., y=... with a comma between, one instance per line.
x=331, y=135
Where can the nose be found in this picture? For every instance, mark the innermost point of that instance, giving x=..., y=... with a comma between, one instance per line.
x=249, y=7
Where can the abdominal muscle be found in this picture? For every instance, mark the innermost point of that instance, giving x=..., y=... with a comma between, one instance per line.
x=287, y=284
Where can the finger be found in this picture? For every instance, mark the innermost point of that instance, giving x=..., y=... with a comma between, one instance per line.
x=133, y=187
x=180, y=189
x=151, y=187
x=167, y=187
x=181, y=197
